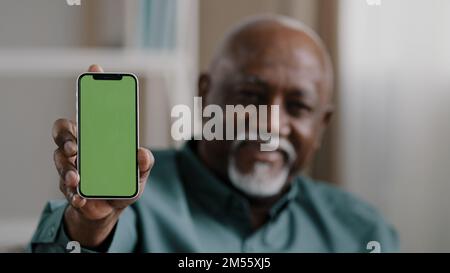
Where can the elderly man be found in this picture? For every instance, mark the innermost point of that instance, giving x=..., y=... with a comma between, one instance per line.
x=229, y=196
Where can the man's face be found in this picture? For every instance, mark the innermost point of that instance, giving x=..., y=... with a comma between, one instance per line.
x=290, y=77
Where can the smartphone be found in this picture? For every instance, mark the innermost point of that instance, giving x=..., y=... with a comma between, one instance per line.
x=107, y=121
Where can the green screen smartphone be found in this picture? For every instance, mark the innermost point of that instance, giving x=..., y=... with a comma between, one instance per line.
x=107, y=120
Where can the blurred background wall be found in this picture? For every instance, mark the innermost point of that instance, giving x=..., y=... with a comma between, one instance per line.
x=394, y=96
x=388, y=141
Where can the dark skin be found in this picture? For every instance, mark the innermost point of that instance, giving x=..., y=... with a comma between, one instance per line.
x=263, y=62
x=266, y=63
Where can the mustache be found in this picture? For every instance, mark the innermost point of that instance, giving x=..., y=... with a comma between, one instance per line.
x=282, y=144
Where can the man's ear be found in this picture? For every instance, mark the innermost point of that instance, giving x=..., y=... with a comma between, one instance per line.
x=204, y=83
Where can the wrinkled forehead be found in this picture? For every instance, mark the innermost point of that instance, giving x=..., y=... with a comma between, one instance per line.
x=283, y=65
x=279, y=60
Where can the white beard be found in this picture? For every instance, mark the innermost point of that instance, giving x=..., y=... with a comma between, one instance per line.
x=259, y=182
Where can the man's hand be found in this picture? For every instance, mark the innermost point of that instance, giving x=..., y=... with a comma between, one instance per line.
x=88, y=221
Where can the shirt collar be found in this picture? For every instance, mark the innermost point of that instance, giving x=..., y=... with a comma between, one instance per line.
x=213, y=193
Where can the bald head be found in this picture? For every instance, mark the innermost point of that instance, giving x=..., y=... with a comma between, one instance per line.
x=275, y=41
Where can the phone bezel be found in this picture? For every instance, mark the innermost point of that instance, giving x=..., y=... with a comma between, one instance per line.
x=78, y=100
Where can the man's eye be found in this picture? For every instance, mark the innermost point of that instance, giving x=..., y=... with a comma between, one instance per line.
x=297, y=108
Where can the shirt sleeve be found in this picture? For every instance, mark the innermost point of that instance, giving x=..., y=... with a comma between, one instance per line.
x=51, y=237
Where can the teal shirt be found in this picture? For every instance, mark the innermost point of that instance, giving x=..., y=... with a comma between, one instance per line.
x=185, y=208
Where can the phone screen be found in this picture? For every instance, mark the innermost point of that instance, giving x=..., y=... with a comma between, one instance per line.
x=107, y=135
